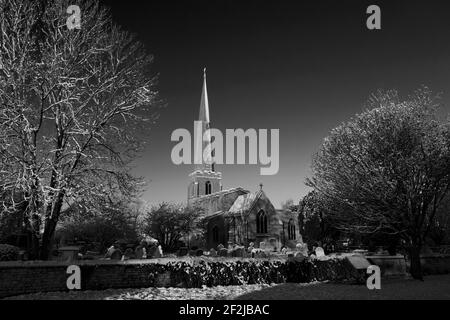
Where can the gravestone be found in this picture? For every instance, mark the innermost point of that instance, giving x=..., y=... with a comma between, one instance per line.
x=319, y=252
x=129, y=254
x=151, y=252
x=116, y=254
x=140, y=252
x=158, y=252
x=303, y=248
x=359, y=262
x=262, y=245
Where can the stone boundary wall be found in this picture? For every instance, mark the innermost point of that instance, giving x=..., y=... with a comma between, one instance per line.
x=18, y=278
x=390, y=266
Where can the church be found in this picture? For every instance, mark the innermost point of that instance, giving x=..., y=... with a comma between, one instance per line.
x=235, y=215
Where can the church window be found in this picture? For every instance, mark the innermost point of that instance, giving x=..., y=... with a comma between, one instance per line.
x=215, y=234
x=291, y=230
x=261, y=222
x=208, y=188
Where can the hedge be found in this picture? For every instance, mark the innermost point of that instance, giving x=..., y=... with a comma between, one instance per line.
x=225, y=273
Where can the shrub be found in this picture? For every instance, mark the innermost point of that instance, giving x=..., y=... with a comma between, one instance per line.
x=8, y=253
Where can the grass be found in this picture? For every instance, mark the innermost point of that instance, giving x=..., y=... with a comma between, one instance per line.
x=433, y=288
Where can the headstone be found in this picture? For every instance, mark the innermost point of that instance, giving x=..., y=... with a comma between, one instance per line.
x=319, y=252
x=129, y=254
x=109, y=252
x=158, y=252
x=116, y=254
x=359, y=262
x=303, y=248
x=151, y=252
x=140, y=252
x=262, y=245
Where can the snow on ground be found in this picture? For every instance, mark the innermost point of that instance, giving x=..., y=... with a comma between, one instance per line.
x=434, y=287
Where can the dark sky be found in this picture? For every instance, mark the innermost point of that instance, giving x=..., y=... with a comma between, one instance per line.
x=299, y=66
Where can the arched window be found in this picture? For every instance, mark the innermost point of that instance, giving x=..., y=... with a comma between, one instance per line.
x=215, y=233
x=207, y=187
x=291, y=230
x=261, y=222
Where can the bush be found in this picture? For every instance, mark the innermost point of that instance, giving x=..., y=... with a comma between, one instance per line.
x=8, y=253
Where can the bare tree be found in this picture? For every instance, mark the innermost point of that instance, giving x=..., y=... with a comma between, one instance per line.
x=74, y=106
x=170, y=223
x=387, y=170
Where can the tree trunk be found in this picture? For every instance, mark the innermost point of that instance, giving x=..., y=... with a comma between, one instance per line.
x=47, y=237
x=414, y=257
x=33, y=253
x=49, y=228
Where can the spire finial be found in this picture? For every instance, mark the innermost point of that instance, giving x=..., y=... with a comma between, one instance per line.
x=204, y=72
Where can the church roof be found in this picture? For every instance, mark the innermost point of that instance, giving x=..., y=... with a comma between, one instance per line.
x=244, y=202
x=220, y=193
x=213, y=214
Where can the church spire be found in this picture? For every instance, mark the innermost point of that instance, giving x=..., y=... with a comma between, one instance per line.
x=204, y=118
x=204, y=103
x=204, y=180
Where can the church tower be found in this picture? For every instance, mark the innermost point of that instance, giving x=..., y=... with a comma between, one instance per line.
x=204, y=180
